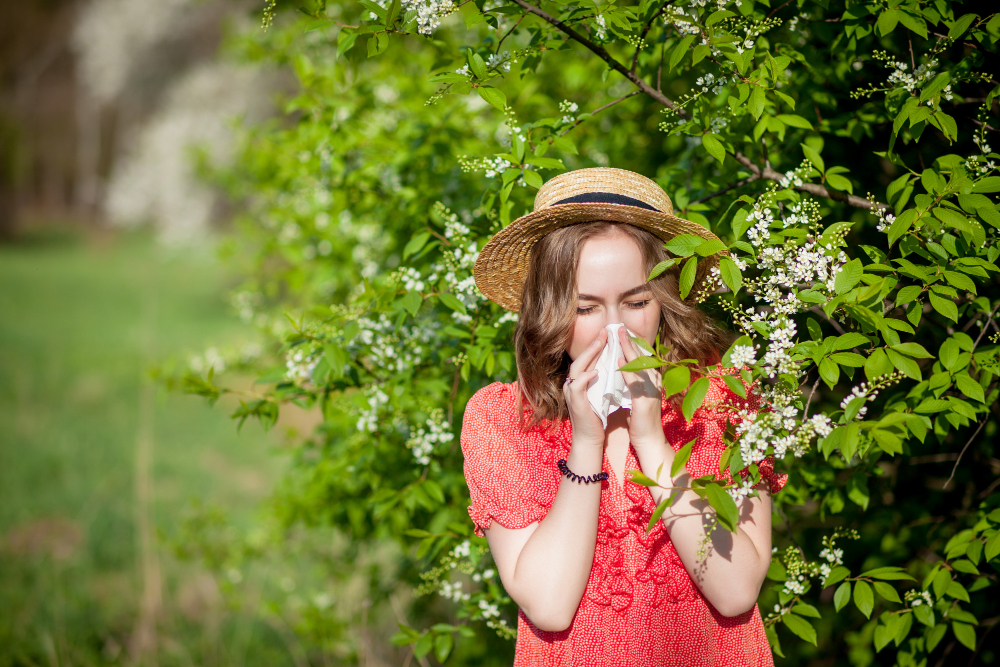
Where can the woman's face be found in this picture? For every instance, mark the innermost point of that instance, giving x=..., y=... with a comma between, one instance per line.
x=611, y=288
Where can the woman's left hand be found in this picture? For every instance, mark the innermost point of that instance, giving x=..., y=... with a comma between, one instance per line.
x=645, y=428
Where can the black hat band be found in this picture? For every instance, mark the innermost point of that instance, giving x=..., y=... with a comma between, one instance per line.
x=605, y=198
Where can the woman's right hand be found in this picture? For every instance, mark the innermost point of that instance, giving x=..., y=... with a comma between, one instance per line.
x=587, y=425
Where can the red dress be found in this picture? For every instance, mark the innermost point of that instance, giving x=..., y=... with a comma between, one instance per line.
x=640, y=607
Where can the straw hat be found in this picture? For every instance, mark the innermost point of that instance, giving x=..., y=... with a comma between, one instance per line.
x=583, y=195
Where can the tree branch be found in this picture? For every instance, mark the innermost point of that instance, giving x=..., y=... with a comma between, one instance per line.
x=767, y=173
x=959, y=459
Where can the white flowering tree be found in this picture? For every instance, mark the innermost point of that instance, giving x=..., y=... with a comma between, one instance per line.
x=866, y=325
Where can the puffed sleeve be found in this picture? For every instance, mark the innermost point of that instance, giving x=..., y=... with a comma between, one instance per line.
x=721, y=407
x=502, y=479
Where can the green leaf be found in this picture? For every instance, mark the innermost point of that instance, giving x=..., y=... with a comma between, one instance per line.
x=886, y=591
x=945, y=307
x=887, y=22
x=803, y=609
x=717, y=16
x=714, y=147
x=756, y=103
x=695, y=397
x=661, y=267
x=800, y=627
x=724, y=505
x=676, y=380
x=533, y=178
x=680, y=51
x=415, y=244
x=494, y=96
x=681, y=458
x=639, y=478
x=377, y=43
x=813, y=157
x=849, y=340
x=735, y=385
x=709, y=247
x=664, y=504
x=969, y=387
x=731, y=274
x=688, y=272
x=889, y=573
x=411, y=302
x=915, y=350
x=424, y=645
x=964, y=633
x=794, y=121
x=864, y=598
x=848, y=277
x=907, y=366
x=838, y=182
x=641, y=364
x=830, y=372
x=776, y=571
x=684, y=245
x=837, y=574
x=992, y=547
x=959, y=27
x=842, y=596
x=452, y=302
x=987, y=185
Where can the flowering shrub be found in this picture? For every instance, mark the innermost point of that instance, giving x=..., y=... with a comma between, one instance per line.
x=865, y=325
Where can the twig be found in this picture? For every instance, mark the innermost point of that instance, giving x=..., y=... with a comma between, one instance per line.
x=645, y=31
x=833, y=323
x=777, y=9
x=913, y=62
x=725, y=189
x=659, y=69
x=968, y=44
x=805, y=413
x=990, y=319
x=959, y=459
x=509, y=31
x=599, y=110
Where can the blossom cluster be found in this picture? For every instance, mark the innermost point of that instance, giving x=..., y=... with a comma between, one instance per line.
x=423, y=439
x=300, y=363
x=429, y=13
x=567, y=108
x=794, y=177
x=917, y=598
x=493, y=167
x=368, y=419
x=391, y=348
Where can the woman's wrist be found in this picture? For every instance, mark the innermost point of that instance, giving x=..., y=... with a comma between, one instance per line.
x=652, y=454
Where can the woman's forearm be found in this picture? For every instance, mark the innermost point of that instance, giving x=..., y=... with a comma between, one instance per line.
x=732, y=570
x=553, y=567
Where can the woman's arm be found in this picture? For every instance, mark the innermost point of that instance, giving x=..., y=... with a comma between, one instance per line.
x=731, y=575
x=545, y=566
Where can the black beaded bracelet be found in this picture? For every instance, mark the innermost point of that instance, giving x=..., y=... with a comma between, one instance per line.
x=564, y=469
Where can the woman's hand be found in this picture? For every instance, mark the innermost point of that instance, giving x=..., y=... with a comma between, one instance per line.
x=645, y=428
x=587, y=425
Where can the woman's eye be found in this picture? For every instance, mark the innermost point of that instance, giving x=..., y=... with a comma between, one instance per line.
x=583, y=310
x=638, y=304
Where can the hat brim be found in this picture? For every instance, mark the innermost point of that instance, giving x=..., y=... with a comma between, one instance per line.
x=503, y=262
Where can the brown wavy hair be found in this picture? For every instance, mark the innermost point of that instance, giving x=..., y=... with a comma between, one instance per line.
x=548, y=313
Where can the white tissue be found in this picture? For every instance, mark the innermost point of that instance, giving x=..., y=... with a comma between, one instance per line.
x=608, y=391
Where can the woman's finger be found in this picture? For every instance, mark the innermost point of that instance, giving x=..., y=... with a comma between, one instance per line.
x=628, y=349
x=586, y=360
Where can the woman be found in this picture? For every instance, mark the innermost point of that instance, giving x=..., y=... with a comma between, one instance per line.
x=592, y=586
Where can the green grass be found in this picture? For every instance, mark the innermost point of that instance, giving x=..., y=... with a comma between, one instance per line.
x=80, y=325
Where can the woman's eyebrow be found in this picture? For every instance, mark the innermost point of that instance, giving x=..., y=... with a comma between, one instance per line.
x=628, y=292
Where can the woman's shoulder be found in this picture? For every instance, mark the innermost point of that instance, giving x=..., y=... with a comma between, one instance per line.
x=491, y=419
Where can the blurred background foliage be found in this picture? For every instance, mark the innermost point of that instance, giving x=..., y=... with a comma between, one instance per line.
x=349, y=198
